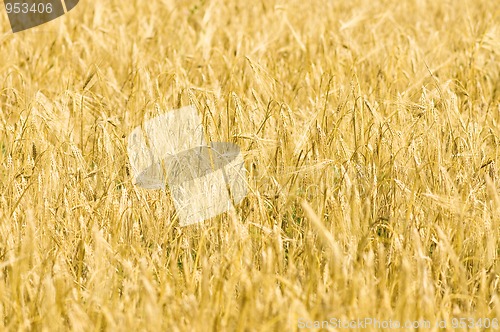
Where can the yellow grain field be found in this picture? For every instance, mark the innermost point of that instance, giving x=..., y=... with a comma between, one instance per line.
x=370, y=133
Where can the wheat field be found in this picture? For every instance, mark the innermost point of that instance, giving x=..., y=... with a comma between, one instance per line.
x=370, y=133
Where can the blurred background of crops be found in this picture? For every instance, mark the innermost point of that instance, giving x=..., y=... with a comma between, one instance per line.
x=370, y=131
